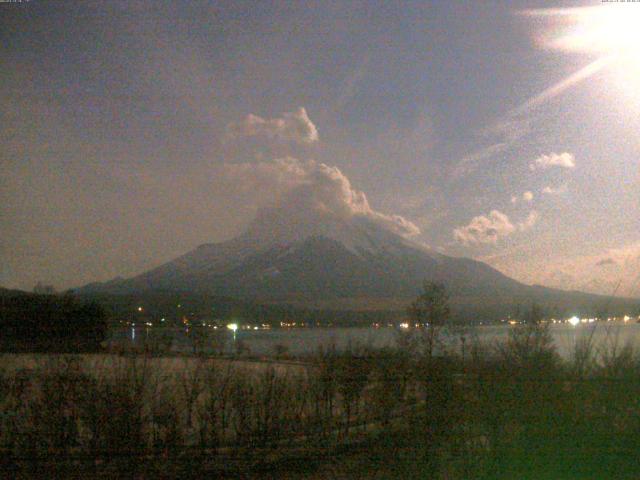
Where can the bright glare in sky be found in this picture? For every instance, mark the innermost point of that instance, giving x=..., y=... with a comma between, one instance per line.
x=610, y=31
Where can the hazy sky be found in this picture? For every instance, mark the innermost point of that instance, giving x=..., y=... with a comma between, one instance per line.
x=502, y=132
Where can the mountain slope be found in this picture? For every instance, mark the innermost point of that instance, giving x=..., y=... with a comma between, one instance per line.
x=325, y=258
x=331, y=260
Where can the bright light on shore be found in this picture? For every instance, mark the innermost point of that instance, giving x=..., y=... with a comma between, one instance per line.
x=233, y=327
x=574, y=321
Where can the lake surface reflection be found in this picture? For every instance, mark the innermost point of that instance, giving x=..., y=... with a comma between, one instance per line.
x=298, y=341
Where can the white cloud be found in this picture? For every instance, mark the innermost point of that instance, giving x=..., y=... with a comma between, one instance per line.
x=526, y=197
x=299, y=192
x=555, y=190
x=564, y=160
x=291, y=127
x=485, y=229
x=305, y=189
x=490, y=228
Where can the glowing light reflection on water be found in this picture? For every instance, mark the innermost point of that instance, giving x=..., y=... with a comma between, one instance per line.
x=306, y=340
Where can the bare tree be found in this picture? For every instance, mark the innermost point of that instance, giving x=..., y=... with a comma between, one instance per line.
x=431, y=311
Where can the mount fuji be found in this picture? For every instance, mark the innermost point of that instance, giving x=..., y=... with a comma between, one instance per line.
x=320, y=245
x=336, y=262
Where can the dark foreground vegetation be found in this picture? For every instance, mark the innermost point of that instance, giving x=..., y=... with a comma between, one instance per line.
x=511, y=410
x=438, y=405
x=50, y=323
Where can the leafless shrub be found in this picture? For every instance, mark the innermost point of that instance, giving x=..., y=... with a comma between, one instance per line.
x=214, y=412
x=15, y=391
x=55, y=405
x=280, y=350
x=218, y=342
x=321, y=390
x=190, y=382
x=616, y=360
x=116, y=408
x=167, y=430
x=271, y=402
x=529, y=348
x=241, y=402
x=583, y=359
x=352, y=373
x=390, y=377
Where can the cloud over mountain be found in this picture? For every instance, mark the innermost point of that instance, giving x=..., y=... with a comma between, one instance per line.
x=305, y=189
x=294, y=127
x=302, y=191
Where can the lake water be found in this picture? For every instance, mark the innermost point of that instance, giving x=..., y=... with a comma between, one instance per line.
x=298, y=341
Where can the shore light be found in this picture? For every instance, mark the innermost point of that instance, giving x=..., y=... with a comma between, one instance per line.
x=233, y=327
x=574, y=321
